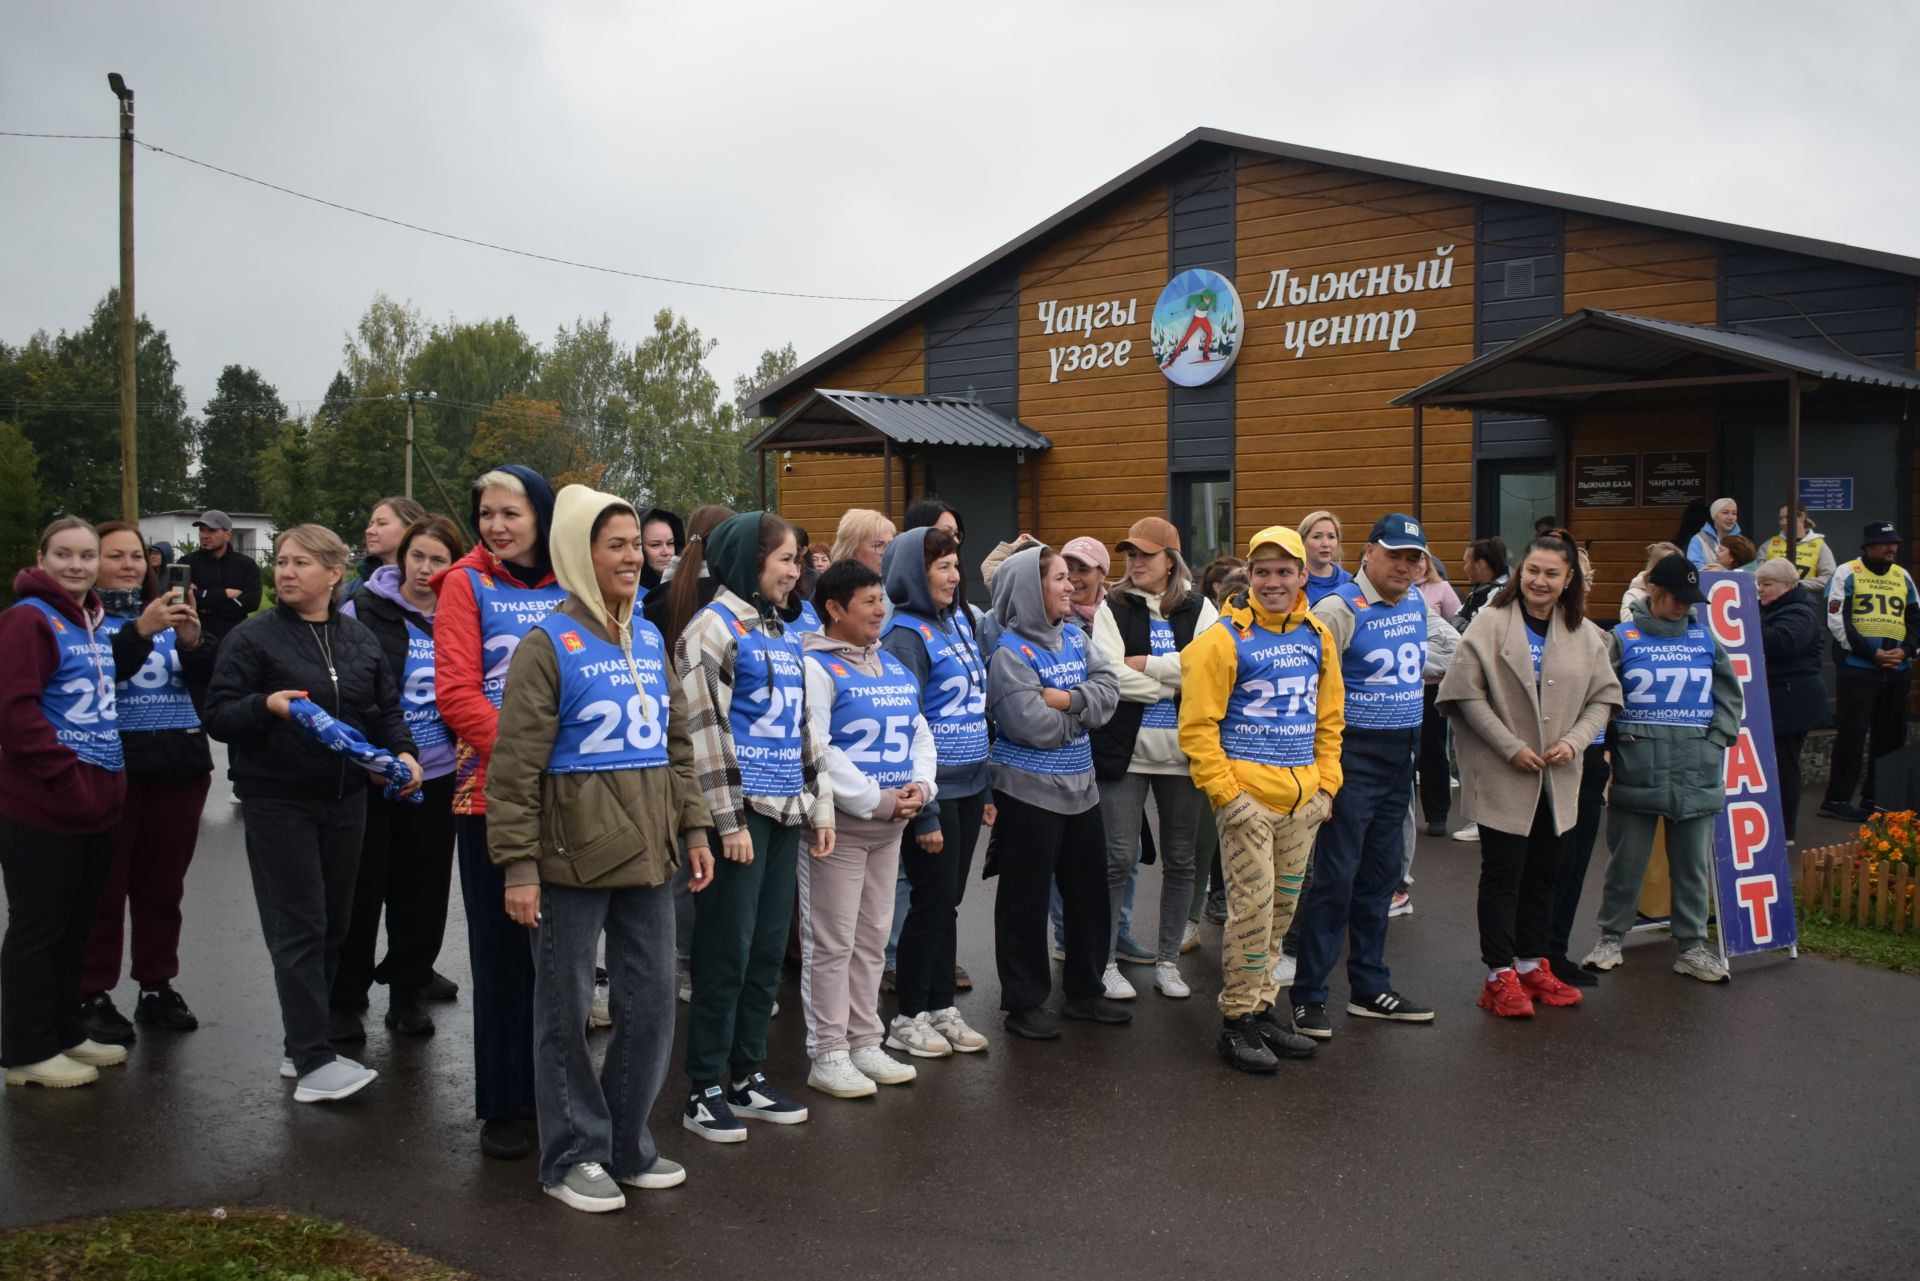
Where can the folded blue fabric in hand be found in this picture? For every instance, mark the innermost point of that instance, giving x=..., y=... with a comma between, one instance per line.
x=350, y=743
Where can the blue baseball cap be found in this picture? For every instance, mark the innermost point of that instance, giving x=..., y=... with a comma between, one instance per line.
x=1397, y=532
x=1879, y=532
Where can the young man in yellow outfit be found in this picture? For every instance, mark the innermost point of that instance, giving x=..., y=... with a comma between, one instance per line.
x=1261, y=717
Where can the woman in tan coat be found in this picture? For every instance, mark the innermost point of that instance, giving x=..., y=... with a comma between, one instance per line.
x=1530, y=687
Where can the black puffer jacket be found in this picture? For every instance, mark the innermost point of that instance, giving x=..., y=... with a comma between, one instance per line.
x=276, y=650
x=1793, y=635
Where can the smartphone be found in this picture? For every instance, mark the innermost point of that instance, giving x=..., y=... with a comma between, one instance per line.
x=180, y=579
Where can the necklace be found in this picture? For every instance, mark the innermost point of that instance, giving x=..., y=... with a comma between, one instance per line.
x=326, y=651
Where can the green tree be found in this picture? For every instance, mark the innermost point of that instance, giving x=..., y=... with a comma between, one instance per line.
x=468, y=367
x=584, y=372
x=240, y=422
x=534, y=432
x=357, y=462
x=288, y=484
x=684, y=440
x=21, y=515
x=383, y=344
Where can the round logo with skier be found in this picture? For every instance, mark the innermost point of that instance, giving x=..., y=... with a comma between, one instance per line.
x=1197, y=327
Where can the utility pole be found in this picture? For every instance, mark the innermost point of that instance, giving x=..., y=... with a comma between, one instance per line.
x=411, y=394
x=129, y=429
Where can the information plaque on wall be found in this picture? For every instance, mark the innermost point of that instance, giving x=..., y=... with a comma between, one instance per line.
x=1673, y=479
x=1606, y=480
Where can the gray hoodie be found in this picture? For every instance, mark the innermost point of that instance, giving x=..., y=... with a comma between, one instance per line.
x=904, y=568
x=1014, y=700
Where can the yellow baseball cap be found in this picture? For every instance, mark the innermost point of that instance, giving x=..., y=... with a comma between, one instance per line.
x=1277, y=536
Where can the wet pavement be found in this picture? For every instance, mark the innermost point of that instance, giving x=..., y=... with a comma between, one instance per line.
x=1663, y=1129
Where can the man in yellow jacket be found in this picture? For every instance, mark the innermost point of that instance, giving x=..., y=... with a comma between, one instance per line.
x=1261, y=717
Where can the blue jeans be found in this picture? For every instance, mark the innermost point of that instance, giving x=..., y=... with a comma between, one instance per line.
x=601, y=1117
x=1357, y=860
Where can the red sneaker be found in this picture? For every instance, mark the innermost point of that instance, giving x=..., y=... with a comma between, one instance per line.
x=1504, y=996
x=1544, y=987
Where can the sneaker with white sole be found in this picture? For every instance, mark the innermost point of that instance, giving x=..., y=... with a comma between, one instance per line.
x=1191, y=939
x=56, y=1073
x=1401, y=904
x=686, y=988
x=288, y=1072
x=962, y=1038
x=601, y=1015
x=1605, y=954
x=1118, y=989
x=588, y=1187
x=708, y=1116
x=1284, y=970
x=756, y=1097
x=661, y=1174
x=1057, y=952
x=333, y=1081
x=1390, y=1006
x=94, y=1054
x=877, y=1065
x=917, y=1036
x=1471, y=832
x=1166, y=977
x=1698, y=962
x=833, y=1073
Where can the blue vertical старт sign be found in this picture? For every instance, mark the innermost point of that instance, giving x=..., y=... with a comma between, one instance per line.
x=1752, y=874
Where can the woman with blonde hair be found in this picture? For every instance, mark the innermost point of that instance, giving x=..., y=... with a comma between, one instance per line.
x=305, y=808
x=1320, y=531
x=863, y=535
x=1637, y=589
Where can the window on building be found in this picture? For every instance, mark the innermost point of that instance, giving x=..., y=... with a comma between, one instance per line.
x=1203, y=508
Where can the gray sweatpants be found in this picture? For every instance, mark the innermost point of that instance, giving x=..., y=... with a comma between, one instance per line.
x=1689, y=865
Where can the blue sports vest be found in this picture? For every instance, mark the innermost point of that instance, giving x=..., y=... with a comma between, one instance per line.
x=506, y=614
x=1666, y=680
x=1062, y=669
x=871, y=720
x=605, y=724
x=1384, y=662
x=418, y=702
x=1164, y=714
x=769, y=695
x=955, y=700
x=155, y=697
x=1274, y=708
x=79, y=701
x=1321, y=586
x=809, y=620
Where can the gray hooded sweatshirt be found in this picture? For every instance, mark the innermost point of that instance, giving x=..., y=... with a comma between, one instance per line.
x=904, y=568
x=1014, y=701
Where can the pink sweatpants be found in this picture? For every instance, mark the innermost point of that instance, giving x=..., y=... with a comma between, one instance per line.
x=846, y=913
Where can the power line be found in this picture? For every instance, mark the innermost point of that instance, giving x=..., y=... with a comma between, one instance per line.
x=15, y=133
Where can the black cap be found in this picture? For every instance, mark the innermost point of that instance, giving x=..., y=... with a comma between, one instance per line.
x=1880, y=531
x=1677, y=574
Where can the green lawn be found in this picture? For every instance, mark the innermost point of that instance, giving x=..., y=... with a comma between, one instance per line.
x=254, y=1245
x=1824, y=936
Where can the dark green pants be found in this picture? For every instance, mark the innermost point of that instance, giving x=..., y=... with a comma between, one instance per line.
x=739, y=935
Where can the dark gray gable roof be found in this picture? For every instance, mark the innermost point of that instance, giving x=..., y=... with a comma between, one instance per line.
x=906, y=420
x=1706, y=227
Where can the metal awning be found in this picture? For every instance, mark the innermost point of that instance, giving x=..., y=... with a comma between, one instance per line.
x=860, y=422
x=1593, y=352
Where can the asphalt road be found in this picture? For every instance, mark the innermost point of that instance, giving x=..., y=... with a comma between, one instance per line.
x=1664, y=1129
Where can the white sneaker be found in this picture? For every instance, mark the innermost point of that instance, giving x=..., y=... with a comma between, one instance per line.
x=94, y=1054
x=774, y=1013
x=1118, y=989
x=1284, y=969
x=833, y=1073
x=686, y=987
x=1605, y=954
x=1191, y=939
x=962, y=1038
x=1699, y=961
x=917, y=1036
x=1471, y=832
x=601, y=1015
x=876, y=1064
x=1166, y=977
x=56, y=1073
x=1057, y=952
x=334, y=1081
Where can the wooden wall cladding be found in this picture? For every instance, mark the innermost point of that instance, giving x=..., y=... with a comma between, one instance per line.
x=1618, y=266
x=1315, y=430
x=1619, y=535
x=822, y=486
x=1108, y=464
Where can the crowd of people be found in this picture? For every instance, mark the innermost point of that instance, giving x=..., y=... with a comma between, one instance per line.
x=669, y=757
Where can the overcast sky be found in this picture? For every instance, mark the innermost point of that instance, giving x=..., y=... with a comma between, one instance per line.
x=848, y=149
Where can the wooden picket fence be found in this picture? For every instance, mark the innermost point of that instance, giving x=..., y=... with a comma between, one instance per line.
x=1837, y=881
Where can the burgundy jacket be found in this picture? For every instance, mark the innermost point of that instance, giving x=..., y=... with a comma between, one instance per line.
x=42, y=783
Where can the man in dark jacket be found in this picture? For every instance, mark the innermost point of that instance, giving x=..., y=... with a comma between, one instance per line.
x=1791, y=636
x=226, y=584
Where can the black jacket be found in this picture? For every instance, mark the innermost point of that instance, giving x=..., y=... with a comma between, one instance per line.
x=269, y=756
x=388, y=622
x=1793, y=637
x=1113, y=742
x=212, y=576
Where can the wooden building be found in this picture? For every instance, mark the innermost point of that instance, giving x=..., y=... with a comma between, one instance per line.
x=1561, y=355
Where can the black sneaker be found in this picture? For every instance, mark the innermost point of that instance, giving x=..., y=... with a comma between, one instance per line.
x=439, y=988
x=405, y=1016
x=1566, y=971
x=1844, y=812
x=344, y=1026
x=1242, y=1046
x=1096, y=1009
x=1281, y=1038
x=757, y=1098
x=1035, y=1024
x=504, y=1139
x=1311, y=1020
x=708, y=1116
x=1437, y=827
x=1389, y=1005
x=1216, y=909
x=164, y=1007
x=105, y=1024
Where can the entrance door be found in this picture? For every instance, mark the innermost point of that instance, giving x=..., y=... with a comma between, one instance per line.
x=982, y=484
x=1203, y=510
x=1513, y=494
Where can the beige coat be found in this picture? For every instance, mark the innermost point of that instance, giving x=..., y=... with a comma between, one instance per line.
x=1495, y=707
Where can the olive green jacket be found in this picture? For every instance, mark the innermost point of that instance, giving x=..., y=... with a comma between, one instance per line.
x=1675, y=771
